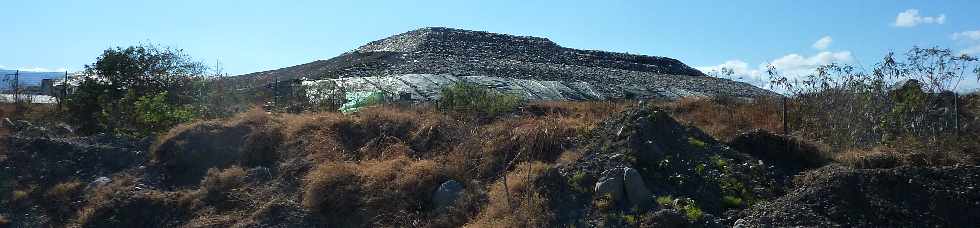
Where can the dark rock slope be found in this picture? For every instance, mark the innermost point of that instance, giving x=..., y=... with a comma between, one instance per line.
x=463, y=52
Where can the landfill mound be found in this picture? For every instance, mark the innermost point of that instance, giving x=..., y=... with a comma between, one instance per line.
x=457, y=52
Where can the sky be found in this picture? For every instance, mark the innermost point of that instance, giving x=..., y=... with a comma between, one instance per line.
x=255, y=35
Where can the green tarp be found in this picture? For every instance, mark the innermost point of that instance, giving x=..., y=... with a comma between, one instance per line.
x=358, y=100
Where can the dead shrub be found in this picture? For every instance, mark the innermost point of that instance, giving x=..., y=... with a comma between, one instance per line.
x=371, y=133
x=333, y=191
x=537, y=139
x=909, y=152
x=520, y=203
x=188, y=151
x=60, y=199
x=396, y=192
x=121, y=204
x=724, y=118
x=217, y=185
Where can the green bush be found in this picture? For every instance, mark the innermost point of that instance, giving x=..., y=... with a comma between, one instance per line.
x=474, y=99
x=156, y=115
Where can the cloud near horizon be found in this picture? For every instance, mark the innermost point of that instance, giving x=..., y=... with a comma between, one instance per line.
x=34, y=69
x=792, y=66
x=971, y=39
x=911, y=18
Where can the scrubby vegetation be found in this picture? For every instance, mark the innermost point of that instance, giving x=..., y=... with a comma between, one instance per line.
x=503, y=162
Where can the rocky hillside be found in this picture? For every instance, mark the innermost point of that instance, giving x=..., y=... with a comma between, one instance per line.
x=459, y=52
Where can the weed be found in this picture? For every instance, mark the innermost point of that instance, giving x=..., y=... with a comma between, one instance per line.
x=731, y=202
x=477, y=100
x=665, y=201
x=697, y=143
x=693, y=212
x=578, y=181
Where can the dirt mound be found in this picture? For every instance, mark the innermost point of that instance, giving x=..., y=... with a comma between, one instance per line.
x=188, y=151
x=900, y=197
x=787, y=155
x=675, y=162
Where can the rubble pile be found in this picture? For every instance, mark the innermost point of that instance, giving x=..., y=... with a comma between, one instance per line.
x=456, y=52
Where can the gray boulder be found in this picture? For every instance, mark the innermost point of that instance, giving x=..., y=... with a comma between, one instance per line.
x=8, y=124
x=446, y=194
x=636, y=190
x=98, y=182
x=611, y=184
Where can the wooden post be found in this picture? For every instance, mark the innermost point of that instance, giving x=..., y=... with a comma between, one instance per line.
x=785, y=125
x=956, y=114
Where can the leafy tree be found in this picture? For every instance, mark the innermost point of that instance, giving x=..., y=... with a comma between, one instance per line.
x=106, y=99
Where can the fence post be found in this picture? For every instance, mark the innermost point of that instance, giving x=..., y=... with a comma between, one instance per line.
x=956, y=114
x=785, y=125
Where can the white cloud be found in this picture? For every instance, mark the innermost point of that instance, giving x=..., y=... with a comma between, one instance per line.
x=969, y=38
x=792, y=66
x=823, y=43
x=911, y=18
x=41, y=69
x=973, y=50
x=967, y=35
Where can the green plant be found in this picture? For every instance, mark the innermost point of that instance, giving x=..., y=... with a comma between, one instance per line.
x=731, y=201
x=665, y=201
x=693, y=212
x=696, y=143
x=577, y=181
x=630, y=220
x=475, y=99
x=106, y=99
x=719, y=162
x=155, y=114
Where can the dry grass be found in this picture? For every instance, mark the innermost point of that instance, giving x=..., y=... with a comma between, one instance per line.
x=910, y=152
x=121, y=204
x=189, y=150
x=520, y=203
x=723, y=119
x=333, y=190
x=64, y=192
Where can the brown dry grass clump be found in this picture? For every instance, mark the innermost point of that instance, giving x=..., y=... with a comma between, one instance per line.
x=910, y=153
x=725, y=118
x=520, y=203
x=189, y=150
x=60, y=199
x=387, y=193
x=373, y=133
x=332, y=190
x=121, y=204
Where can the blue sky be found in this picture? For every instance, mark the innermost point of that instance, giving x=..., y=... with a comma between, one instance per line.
x=251, y=35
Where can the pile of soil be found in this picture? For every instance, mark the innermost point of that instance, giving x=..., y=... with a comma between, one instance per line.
x=675, y=161
x=899, y=197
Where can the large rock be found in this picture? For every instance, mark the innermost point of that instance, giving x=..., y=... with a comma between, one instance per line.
x=611, y=184
x=446, y=194
x=636, y=191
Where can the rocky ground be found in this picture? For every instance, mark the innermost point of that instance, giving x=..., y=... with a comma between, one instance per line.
x=637, y=168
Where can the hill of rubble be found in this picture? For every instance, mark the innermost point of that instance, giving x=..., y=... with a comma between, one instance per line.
x=447, y=51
